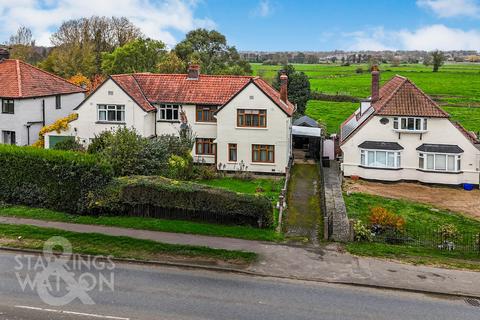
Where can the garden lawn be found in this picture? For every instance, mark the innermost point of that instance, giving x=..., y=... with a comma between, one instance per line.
x=418, y=217
x=118, y=247
x=141, y=223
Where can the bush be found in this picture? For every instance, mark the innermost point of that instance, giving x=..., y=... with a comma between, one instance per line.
x=59, y=180
x=362, y=233
x=70, y=144
x=359, y=70
x=448, y=232
x=164, y=198
x=383, y=220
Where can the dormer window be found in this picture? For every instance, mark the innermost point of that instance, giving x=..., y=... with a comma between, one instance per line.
x=410, y=124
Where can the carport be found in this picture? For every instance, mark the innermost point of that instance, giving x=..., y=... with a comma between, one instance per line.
x=307, y=142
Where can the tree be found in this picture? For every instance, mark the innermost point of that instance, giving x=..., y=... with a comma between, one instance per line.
x=210, y=50
x=298, y=87
x=80, y=80
x=90, y=37
x=438, y=58
x=140, y=55
x=171, y=63
x=22, y=46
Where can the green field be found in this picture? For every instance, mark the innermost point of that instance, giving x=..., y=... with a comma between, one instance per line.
x=455, y=87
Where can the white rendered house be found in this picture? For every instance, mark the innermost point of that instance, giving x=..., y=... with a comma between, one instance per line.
x=240, y=122
x=30, y=99
x=402, y=134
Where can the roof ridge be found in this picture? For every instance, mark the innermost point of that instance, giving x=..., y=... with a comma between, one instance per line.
x=428, y=97
x=49, y=73
x=19, y=77
x=141, y=90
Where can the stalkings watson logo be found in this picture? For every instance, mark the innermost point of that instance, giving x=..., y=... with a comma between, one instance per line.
x=59, y=279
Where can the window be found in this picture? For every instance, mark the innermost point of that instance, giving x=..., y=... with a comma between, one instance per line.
x=8, y=106
x=168, y=112
x=232, y=152
x=251, y=118
x=410, y=124
x=205, y=146
x=439, y=162
x=205, y=113
x=380, y=159
x=58, y=101
x=9, y=137
x=263, y=153
x=111, y=113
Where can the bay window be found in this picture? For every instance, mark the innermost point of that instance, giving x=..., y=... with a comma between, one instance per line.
x=111, y=113
x=410, y=124
x=439, y=162
x=380, y=159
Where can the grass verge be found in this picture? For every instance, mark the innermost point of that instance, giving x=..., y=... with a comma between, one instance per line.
x=177, y=226
x=118, y=247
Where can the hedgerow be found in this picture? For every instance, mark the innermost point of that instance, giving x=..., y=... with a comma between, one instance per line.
x=160, y=197
x=53, y=179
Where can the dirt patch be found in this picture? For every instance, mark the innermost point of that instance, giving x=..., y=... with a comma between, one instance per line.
x=449, y=198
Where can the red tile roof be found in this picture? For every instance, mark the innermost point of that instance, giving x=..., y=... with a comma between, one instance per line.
x=148, y=88
x=21, y=80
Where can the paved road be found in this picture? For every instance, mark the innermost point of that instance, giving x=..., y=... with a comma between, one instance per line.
x=145, y=292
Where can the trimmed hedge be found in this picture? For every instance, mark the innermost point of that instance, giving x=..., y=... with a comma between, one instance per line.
x=59, y=180
x=160, y=197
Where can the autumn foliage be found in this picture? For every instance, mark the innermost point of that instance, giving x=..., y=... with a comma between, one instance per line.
x=58, y=126
x=81, y=81
x=386, y=220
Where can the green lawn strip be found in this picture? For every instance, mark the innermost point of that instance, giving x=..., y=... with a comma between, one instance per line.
x=141, y=223
x=416, y=255
x=119, y=247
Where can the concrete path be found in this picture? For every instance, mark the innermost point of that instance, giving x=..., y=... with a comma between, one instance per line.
x=327, y=263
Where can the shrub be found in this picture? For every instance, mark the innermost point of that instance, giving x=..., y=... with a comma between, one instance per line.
x=383, y=220
x=205, y=172
x=359, y=70
x=362, y=233
x=59, y=180
x=70, y=144
x=165, y=198
x=448, y=232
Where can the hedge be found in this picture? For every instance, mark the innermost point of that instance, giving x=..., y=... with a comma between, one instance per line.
x=160, y=197
x=59, y=180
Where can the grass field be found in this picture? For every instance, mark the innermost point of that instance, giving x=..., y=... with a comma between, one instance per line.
x=418, y=217
x=332, y=114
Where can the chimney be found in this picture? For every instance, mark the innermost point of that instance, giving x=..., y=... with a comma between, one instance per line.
x=283, y=87
x=375, y=83
x=4, y=54
x=193, y=72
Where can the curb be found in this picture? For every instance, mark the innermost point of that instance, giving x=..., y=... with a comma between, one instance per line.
x=252, y=273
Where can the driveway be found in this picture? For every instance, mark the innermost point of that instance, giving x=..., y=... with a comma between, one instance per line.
x=449, y=198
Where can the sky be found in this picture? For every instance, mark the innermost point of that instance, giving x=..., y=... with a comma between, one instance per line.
x=271, y=25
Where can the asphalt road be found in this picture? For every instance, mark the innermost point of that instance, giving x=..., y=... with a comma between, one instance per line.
x=146, y=292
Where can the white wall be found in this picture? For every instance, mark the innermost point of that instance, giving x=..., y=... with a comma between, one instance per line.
x=440, y=131
x=30, y=110
x=87, y=125
x=277, y=133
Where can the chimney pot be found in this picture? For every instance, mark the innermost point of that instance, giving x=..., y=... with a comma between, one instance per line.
x=283, y=87
x=193, y=72
x=375, y=84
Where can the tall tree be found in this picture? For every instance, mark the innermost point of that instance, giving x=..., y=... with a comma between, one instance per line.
x=438, y=59
x=298, y=87
x=141, y=55
x=171, y=63
x=22, y=45
x=210, y=49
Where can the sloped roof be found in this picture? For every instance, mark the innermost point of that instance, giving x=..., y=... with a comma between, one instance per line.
x=305, y=120
x=22, y=80
x=148, y=88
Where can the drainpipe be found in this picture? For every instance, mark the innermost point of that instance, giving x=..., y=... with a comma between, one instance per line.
x=28, y=134
x=43, y=112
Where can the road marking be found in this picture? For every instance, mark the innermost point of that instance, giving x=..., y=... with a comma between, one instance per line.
x=73, y=313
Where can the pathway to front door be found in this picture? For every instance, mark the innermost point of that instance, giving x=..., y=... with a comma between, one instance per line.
x=304, y=218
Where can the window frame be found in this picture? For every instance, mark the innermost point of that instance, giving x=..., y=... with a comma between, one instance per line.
x=11, y=104
x=203, y=142
x=251, y=114
x=13, y=137
x=423, y=162
x=107, y=109
x=268, y=148
x=163, y=109
x=232, y=147
x=58, y=101
x=399, y=122
x=389, y=155
x=207, y=113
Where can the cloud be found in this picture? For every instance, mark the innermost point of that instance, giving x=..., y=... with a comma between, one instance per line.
x=263, y=9
x=451, y=8
x=428, y=38
x=157, y=19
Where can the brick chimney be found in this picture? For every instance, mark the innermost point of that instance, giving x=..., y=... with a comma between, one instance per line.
x=193, y=71
x=4, y=54
x=375, y=83
x=283, y=87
